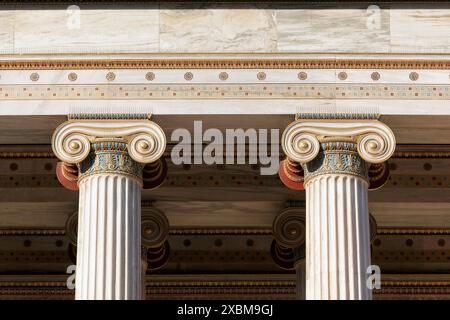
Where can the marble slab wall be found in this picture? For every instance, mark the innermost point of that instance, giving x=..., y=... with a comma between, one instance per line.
x=6, y=31
x=218, y=30
x=420, y=30
x=331, y=29
x=97, y=31
x=215, y=28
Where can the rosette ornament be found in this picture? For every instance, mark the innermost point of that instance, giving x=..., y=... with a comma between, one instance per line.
x=146, y=141
x=301, y=139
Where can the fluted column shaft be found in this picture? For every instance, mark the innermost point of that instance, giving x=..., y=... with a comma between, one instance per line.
x=109, y=234
x=337, y=224
x=337, y=238
x=109, y=252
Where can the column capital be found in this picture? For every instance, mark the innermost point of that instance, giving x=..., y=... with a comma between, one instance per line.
x=301, y=141
x=145, y=140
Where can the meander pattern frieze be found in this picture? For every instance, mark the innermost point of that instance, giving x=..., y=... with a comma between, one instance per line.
x=221, y=91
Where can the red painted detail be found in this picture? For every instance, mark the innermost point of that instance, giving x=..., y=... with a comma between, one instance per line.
x=291, y=174
x=67, y=175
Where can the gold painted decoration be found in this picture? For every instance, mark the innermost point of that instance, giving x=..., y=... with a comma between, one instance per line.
x=223, y=76
x=342, y=75
x=413, y=76
x=375, y=76
x=302, y=75
x=261, y=75
x=228, y=63
x=150, y=76
x=72, y=76
x=34, y=76
x=188, y=76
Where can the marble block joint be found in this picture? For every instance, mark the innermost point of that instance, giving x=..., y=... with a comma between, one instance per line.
x=339, y=159
x=106, y=160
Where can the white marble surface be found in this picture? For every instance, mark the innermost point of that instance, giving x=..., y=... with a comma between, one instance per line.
x=235, y=76
x=6, y=31
x=332, y=30
x=217, y=30
x=133, y=30
x=232, y=107
x=109, y=239
x=420, y=30
x=337, y=238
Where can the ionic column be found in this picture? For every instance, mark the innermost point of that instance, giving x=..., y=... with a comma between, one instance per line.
x=110, y=156
x=335, y=156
